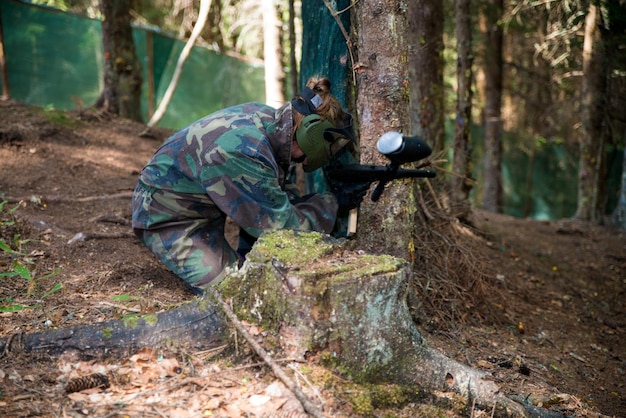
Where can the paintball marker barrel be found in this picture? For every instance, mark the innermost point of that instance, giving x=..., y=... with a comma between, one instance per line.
x=402, y=149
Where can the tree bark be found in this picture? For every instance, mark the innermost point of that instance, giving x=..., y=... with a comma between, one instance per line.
x=122, y=71
x=425, y=53
x=592, y=162
x=198, y=324
x=461, y=180
x=492, y=183
x=382, y=91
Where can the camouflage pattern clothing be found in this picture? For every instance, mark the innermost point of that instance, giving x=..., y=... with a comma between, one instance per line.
x=232, y=163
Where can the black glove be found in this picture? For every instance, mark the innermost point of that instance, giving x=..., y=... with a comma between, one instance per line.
x=349, y=195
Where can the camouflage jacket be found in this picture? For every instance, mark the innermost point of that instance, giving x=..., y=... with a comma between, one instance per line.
x=235, y=161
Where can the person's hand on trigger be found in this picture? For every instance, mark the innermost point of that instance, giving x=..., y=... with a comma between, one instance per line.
x=349, y=195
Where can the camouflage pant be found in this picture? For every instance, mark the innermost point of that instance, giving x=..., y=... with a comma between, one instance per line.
x=196, y=250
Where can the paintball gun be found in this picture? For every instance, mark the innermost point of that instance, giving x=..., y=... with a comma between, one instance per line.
x=399, y=150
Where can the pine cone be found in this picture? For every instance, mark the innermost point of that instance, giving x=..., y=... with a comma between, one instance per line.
x=96, y=380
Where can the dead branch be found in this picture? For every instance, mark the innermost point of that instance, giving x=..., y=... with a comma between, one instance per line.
x=39, y=199
x=291, y=385
x=110, y=218
x=84, y=236
x=427, y=213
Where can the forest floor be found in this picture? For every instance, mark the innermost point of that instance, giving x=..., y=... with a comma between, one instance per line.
x=559, y=341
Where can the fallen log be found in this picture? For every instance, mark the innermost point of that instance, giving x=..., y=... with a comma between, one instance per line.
x=195, y=325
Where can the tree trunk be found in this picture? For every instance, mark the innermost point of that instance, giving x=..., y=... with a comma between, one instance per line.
x=6, y=91
x=425, y=24
x=619, y=214
x=382, y=106
x=461, y=180
x=122, y=71
x=492, y=183
x=293, y=48
x=591, y=169
x=272, y=55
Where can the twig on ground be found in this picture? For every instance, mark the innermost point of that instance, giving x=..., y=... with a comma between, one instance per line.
x=110, y=218
x=304, y=400
x=62, y=199
x=122, y=307
x=313, y=388
x=84, y=236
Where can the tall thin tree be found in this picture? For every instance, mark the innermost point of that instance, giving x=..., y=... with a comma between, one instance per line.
x=492, y=184
x=461, y=180
x=594, y=83
x=382, y=106
x=122, y=71
x=425, y=57
x=272, y=55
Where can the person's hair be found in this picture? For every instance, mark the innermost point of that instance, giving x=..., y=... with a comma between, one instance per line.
x=329, y=109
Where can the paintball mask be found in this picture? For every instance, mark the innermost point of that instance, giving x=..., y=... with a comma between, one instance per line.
x=318, y=138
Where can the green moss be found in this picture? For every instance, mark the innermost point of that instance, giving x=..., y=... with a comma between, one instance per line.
x=151, y=320
x=328, y=360
x=205, y=304
x=385, y=396
x=361, y=403
x=366, y=265
x=365, y=399
x=291, y=247
x=131, y=321
x=107, y=332
x=59, y=117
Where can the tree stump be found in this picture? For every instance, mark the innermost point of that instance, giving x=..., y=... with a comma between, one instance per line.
x=349, y=307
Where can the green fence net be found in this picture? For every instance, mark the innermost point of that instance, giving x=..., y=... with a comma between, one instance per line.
x=55, y=59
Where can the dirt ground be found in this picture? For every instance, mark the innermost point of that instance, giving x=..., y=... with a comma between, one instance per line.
x=563, y=345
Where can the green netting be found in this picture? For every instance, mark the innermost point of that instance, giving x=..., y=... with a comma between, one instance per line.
x=52, y=58
x=539, y=180
x=208, y=83
x=55, y=59
x=325, y=53
x=324, y=48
